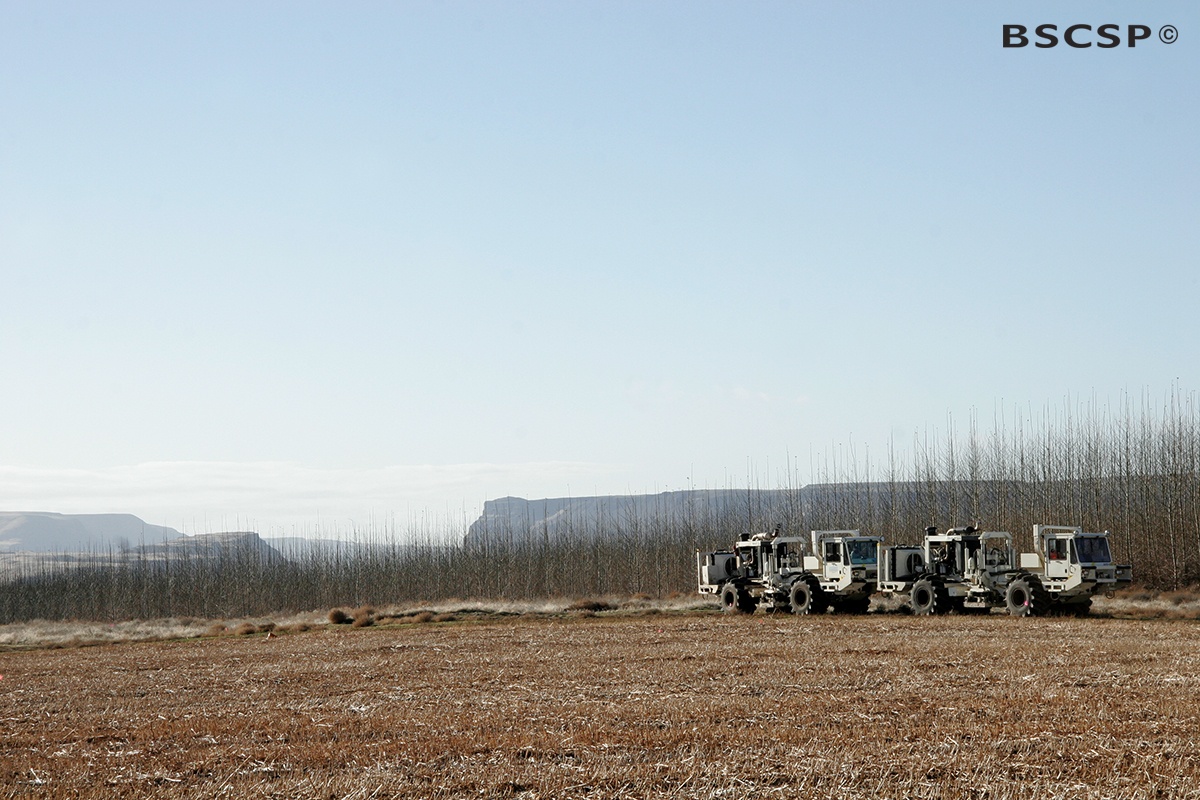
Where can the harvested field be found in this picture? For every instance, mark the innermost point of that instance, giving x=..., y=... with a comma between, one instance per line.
x=665, y=705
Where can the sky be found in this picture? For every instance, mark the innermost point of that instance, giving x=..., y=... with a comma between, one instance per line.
x=294, y=267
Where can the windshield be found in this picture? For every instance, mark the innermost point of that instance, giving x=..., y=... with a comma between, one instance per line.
x=862, y=551
x=1092, y=550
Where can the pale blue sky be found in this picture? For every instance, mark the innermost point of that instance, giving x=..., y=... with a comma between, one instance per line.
x=264, y=261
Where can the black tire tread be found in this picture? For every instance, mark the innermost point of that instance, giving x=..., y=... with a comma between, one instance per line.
x=939, y=597
x=1038, y=600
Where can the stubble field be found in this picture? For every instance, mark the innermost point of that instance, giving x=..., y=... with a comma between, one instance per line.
x=680, y=705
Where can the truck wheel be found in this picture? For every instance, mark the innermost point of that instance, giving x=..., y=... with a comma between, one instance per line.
x=929, y=597
x=800, y=598
x=746, y=604
x=820, y=600
x=807, y=598
x=1026, y=597
x=729, y=599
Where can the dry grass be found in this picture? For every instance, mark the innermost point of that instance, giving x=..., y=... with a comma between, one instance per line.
x=679, y=706
x=1129, y=604
x=595, y=605
x=40, y=633
x=1137, y=603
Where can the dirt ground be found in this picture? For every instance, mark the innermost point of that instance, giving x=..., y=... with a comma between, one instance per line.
x=659, y=705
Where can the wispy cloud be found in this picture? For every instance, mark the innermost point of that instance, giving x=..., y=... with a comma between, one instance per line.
x=285, y=497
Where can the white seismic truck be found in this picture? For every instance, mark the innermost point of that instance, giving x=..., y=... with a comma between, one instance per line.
x=777, y=572
x=963, y=570
x=1066, y=569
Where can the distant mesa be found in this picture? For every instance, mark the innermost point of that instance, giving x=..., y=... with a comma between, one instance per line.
x=211, y=545
x=517, y=521
x=45, y=532
x=514, y=520
x=47, y=539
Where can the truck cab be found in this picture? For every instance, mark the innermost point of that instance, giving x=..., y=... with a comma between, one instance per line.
x=845, y=561
x=1072, y=563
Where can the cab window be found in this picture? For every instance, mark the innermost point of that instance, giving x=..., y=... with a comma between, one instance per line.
x=833, y=551
x=1093, y=550
x=1058, y=549
x=861, y=552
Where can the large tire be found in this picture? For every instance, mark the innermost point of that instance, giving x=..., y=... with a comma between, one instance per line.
x=807, y=598
x=729, y=599
x=929, y=597
x=1026, y=597
x=801, y=598
x=745, y=602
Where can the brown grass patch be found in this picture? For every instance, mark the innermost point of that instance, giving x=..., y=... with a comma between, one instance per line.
x=338, y=617
x=591, y=605
x=1181, y=596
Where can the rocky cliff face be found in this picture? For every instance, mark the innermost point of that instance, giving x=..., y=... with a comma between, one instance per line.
x=516, y=521
x=229, y=545
x=513, y=520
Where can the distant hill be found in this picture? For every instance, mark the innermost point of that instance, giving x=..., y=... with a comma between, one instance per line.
x=515, y=519
x=212, y=545
x=724, y=512
x=45, y=532
x=97, y=534
x=216, y=548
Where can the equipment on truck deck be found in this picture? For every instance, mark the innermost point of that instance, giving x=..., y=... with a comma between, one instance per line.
x=963, y=570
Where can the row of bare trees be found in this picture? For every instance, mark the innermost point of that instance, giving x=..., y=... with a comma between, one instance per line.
x=1132, y=468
